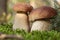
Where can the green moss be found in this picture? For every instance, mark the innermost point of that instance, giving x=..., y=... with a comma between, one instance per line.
x=35, y=35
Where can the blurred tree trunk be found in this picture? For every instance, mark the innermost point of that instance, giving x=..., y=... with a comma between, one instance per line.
x=3, y=5
x=3, y=10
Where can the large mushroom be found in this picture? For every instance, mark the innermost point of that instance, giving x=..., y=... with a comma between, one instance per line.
x=41, y=18
x=21, y=20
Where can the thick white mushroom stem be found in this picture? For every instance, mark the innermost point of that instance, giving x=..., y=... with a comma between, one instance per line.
x=41, y=26
x=21, y=22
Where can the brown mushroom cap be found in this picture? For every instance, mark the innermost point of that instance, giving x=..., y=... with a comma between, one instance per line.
x=24, y=7
x=42, y=13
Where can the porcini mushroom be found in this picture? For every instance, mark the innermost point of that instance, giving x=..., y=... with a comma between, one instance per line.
x=41, y=18
x=21, y=18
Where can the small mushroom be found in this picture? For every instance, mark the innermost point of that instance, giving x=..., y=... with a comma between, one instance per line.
x=41, y=18
x=21, y=20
